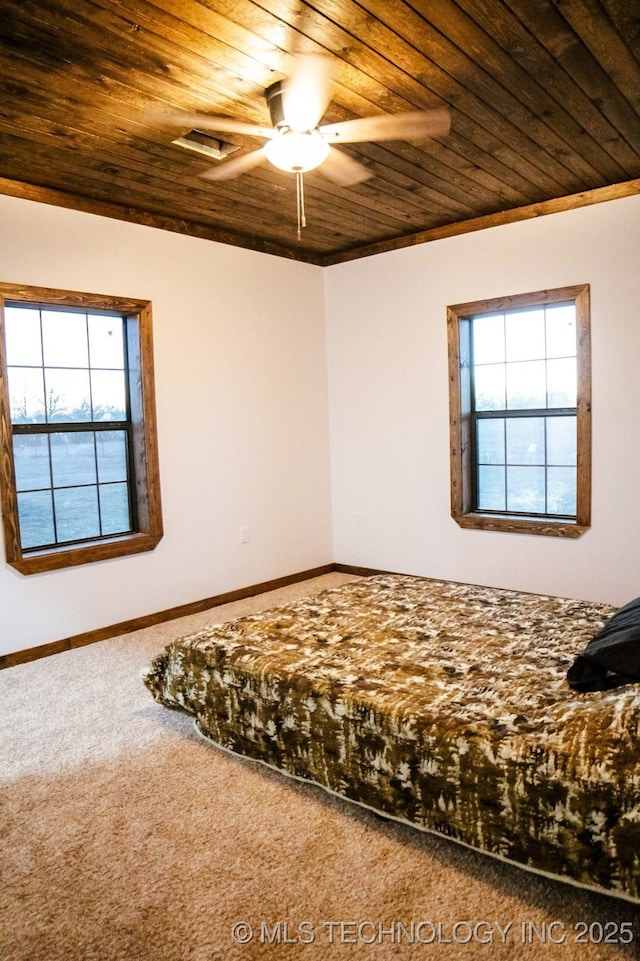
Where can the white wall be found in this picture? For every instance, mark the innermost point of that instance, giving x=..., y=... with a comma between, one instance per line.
x=243, y=414
x=241, y=391
x=387, y=352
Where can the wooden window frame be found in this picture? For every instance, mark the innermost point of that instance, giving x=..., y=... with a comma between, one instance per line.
x=458, y=331
x=146, y=476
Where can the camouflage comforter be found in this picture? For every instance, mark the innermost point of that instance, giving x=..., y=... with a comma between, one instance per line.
x=441, y=704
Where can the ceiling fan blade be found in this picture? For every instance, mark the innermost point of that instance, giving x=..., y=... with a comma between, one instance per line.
x=344, y=170
x=413, y=125
x=206, y=121
x=307, y=92
x=239, y=165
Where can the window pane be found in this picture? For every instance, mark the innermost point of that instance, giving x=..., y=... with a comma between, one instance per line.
x=561, y=331
x=525, y=489
x=561, y=440
x=22, y=334
x=111, y=447
x=561, y=490
x=114, y=509
x=491, y=489
x=526, y=385
x=488, y=338
x=31, y=460
x=108, y=394
x=68, y=397
x=36, y=519
x=73, y=459
x=64, y=336
x=490, y=441
x=562, y=383
x=106, y=346
x=77, y=513
x=525, y=335
x=26, y=395
x=525, y=440
x=489, y=387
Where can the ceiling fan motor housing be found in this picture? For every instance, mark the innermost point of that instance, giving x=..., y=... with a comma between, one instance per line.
x=274, y=102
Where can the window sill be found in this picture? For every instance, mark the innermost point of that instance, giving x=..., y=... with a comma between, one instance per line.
x=520, y=525
x=38, y=562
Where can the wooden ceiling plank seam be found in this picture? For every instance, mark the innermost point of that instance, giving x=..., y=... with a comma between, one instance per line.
x=447, y=88
x=99, y=181
x=378, y=209
x=168, y=90
x=46, y=130
x=507, y=169
x=459, y=152
x=320, y=235
x=487, y=186
x=117, y=59
x=612, y=172
x=167, y=5
x=329, y=197
x=48, y=127
x=166, y=28
x=146, y=179
x=427, y=47
x=116, y=106
x=277, y=58
x=387, y=180
x=534, y=60
x=97, y=134
x=461, y=36
x=457, y=189
x=566, y=49
x=390, y=201
x=530, y=212
x=104, y=157
x=625, y=16
x=388, y=158
x=602, y=39
x=72, y=201
x=46, y=32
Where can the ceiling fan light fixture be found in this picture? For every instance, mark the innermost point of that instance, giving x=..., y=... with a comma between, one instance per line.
x=296, y=152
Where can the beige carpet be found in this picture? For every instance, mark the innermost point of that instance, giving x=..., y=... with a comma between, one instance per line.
x=126, y=837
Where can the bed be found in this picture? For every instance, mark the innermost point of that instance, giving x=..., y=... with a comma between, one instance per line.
x=440, y=704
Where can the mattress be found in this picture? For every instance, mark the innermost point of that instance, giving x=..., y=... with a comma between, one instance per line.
x=441, y=704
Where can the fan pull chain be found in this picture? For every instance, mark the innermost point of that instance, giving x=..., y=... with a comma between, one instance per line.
x=302, y=220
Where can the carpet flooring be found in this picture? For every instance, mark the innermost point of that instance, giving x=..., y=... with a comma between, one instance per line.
x=126, y=837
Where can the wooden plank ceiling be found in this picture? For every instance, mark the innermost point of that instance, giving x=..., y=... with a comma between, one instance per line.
x=544, y=98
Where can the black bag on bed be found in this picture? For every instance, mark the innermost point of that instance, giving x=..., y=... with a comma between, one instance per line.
x=612, y=656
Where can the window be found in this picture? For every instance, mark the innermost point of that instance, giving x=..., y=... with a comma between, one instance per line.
x=79, y=476
x=520, y=405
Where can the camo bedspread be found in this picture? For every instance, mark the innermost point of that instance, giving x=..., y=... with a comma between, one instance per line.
x=441, y=704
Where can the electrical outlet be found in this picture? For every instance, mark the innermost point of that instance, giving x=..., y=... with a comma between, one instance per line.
x=244, y=535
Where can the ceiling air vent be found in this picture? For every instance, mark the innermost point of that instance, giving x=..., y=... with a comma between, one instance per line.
x=205, y=144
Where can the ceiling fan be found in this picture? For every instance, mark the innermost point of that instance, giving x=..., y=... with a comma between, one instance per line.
x=297, y=143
